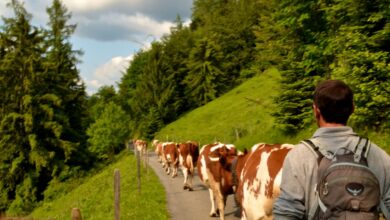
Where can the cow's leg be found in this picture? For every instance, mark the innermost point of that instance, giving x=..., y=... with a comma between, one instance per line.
x=185, y=174
x=189, y=181
x=163, y=161
x=213, y=211
x=220, y=200
x=168, y=168
x=174, y=170
x=190, y=172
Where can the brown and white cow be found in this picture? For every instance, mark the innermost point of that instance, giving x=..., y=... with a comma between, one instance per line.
x=158, y=150
x=170, y=158
x=188, y=156
x=214, y=170
x=140, y=145
x=259, y=173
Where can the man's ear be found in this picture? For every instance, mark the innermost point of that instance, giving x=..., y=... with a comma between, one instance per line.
x=317, y=112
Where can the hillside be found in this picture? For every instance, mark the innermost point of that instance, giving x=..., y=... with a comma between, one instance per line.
x=241, y=116
x=95, y=198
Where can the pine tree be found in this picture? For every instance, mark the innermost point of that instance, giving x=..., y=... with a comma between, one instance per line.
x=177, y=46
x=42, y=112
x=156, y=91
x=63, y=77
x=306, y=61
x=205, y=77
x=21, y=73
x=360, y=40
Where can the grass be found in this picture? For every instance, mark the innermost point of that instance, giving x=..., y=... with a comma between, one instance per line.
x=95, y=196
x=243, y=117
x=237, y=117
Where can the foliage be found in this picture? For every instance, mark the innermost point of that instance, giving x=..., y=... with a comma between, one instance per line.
x=361, y=44
x=109, y=132
x=41, y=113
x=334, y=39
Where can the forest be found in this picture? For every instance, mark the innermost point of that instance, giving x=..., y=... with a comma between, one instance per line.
x=51, y=130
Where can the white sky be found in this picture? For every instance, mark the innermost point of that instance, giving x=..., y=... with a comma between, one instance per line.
x=110, y=31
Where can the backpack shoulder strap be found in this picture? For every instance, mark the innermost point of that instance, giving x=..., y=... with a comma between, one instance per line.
x=384, y=210
x=315, y=149
x=362, y=149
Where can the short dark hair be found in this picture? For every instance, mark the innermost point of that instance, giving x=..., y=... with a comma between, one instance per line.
x=334, y=98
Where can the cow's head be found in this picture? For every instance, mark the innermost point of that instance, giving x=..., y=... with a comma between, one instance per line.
x=224, y=155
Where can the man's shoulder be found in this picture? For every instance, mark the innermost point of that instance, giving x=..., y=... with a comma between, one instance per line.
x=301, y=150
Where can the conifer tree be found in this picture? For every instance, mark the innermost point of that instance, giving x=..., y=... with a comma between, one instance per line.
x=305, y=62
x=42, y=112
x=22, y=157
x=63, y=76
x=156, y=91
x=360, y=41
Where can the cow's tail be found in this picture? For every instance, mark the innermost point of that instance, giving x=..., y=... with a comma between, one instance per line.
x=234, y=172
x=190, y=162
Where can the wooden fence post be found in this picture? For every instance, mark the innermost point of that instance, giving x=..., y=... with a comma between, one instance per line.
x=76, y=214
x=117, y=192
x=138, y=170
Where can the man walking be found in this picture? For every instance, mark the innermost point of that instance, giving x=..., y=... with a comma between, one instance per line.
x=299, y=197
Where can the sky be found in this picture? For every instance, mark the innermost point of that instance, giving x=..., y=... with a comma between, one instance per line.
x=110, y=32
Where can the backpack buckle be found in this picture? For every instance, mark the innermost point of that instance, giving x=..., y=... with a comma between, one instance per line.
x=356, y=158
x=325, y=191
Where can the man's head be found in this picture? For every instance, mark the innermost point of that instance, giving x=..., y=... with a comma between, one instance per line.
x=334, y=101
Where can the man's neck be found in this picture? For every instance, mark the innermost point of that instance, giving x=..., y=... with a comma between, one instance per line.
x=324, y=124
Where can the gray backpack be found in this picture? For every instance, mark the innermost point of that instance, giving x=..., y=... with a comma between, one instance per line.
x=346, y=187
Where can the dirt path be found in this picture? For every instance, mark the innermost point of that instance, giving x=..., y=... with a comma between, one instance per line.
x=185, y=205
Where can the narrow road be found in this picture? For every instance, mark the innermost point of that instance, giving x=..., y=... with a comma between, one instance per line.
x=185, y=205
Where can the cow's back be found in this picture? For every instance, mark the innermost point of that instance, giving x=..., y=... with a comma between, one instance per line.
x=259, y=179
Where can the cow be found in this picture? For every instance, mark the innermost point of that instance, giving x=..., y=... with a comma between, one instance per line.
x=259, y=174
x=140, y=145
x=158, y=150
x=170, y=158
x=214, y=164
x=188, y=156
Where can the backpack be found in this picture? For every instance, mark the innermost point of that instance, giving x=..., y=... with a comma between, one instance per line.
x=346, y=187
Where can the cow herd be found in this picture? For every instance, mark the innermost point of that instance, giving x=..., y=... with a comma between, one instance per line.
x=253, y=176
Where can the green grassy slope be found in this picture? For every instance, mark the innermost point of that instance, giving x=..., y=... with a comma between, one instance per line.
x=95, y=197
x=242, y=116
x=246, y=111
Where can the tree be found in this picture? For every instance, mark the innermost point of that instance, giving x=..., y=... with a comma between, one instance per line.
x=156, y=91
x=205, y=79
x=130, y=79
x=43, y=111
x=177, y=46
x=360, y=41
x=62, y=73
x=22, y=157
x=109, y=132
x=306, y=61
